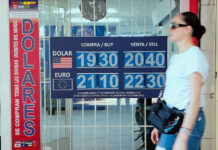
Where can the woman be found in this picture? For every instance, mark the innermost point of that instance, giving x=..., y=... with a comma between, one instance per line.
x=185, y=76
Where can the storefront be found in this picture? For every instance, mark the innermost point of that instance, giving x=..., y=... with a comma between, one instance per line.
x=68, y=123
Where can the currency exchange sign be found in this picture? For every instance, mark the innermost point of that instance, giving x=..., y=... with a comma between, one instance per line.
x=107, y=67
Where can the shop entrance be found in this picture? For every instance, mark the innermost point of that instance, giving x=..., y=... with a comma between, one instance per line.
x=106, y=123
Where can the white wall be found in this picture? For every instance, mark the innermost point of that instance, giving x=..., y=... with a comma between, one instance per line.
x=5, y=77
x=208, y=19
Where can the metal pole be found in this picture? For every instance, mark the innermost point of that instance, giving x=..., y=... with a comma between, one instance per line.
x=68, y=101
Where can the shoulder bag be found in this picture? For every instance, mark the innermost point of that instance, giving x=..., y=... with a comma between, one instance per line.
x=167, y=120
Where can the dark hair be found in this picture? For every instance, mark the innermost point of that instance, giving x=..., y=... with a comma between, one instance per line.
x=192, y=20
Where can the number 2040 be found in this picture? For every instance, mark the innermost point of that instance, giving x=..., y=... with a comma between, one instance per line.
x=144, y=59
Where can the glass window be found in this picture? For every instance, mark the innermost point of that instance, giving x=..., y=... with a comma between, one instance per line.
x=88, y=124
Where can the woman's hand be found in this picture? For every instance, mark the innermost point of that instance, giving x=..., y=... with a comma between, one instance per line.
x=181, y=142
x=155, y=136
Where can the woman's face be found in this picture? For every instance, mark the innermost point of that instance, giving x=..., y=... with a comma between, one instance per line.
x=178, y=29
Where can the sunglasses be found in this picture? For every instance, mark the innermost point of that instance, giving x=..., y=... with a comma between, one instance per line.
x=174, y=26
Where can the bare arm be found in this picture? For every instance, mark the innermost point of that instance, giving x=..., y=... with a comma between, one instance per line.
x=193, y=109
x=195, y=81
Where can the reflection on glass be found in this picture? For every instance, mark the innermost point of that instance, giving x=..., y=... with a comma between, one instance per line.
x=110, y=121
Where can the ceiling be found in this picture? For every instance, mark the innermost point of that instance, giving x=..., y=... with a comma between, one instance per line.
x=135, y=13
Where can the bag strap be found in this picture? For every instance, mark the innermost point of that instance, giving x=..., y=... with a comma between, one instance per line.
x=161, y=94
x=162, y=90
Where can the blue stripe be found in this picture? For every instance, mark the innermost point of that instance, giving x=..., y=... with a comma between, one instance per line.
x=170, y=128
